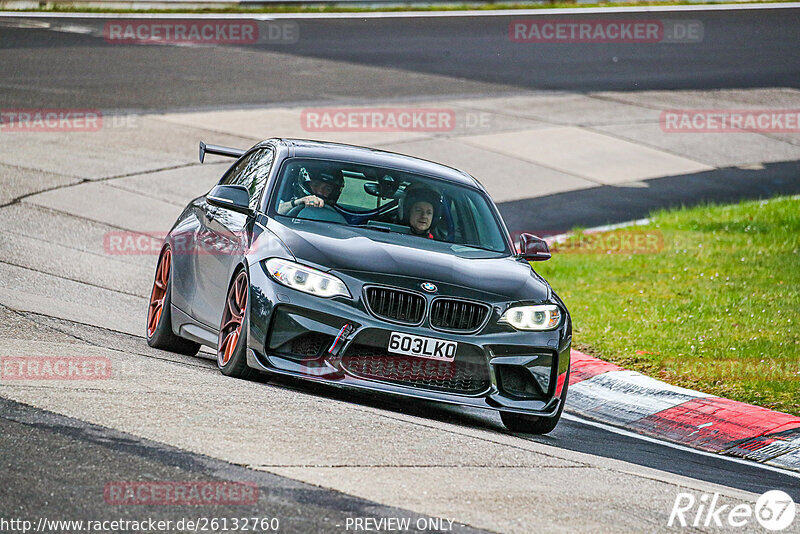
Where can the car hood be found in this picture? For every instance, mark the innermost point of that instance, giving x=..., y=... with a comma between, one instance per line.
x=353, y=250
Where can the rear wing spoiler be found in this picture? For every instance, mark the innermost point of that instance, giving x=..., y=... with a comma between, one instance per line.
x=219, y=151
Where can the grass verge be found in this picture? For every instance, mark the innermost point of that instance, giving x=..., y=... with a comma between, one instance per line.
x=706, y=298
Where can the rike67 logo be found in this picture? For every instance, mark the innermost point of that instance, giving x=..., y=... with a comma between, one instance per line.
x=774, y=510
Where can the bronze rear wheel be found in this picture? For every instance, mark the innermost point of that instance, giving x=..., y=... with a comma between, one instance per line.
x=159, y=316
x=159, y=292
x=232, y=343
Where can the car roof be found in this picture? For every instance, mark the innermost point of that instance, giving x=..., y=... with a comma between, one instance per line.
x=306, y=148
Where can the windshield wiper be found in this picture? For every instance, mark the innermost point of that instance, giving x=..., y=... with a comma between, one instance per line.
x=385, y=229
x=475, y=247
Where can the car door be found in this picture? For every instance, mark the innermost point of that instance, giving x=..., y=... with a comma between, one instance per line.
x=224, y=236
x=183, y=241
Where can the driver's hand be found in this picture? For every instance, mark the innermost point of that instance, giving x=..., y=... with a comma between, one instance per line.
x=312, y=201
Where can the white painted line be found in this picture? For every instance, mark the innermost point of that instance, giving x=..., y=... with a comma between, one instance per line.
x=561, y=238
x=539, y=12
x=410, y=14
x=72, y=28
x=629, y=434
x=609, y=227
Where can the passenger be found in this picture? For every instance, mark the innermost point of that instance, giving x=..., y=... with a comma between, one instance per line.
x=313, y=192
x=423, y=207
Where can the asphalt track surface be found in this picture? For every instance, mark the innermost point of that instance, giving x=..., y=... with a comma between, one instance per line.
x=52, y=464
x=740, y=49
x=56, y=467
x=73, y=460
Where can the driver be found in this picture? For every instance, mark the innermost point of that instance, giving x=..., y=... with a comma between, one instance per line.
x=423, y=207
x=313, y=191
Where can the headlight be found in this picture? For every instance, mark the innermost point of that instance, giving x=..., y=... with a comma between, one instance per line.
x=306, y=279
x=539, y=317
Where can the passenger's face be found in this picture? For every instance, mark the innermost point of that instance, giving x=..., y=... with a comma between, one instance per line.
x=321, y=189
x=421, y=216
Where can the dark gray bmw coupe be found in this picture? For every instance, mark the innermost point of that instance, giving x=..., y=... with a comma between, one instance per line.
x=365, y=269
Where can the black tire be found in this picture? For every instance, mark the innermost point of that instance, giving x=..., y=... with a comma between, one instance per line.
x=534, y=424
x=159, y=321
x=234, y=363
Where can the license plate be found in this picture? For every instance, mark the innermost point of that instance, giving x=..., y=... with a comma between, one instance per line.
x=422, y=347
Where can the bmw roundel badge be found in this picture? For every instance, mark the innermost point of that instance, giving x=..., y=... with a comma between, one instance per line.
x=427, y=286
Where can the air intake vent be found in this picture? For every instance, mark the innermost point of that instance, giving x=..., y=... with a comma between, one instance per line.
x=395, y=304
x=458, y=315
x=460, y=377
x=305, y=346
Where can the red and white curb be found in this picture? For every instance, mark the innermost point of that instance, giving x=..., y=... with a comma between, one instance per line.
x=605, y=392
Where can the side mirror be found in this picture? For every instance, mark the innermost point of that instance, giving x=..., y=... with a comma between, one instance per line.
x=233, y=197
x=533, y=248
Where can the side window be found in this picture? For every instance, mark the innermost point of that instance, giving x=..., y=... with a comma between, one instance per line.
x=252, y=172
x=235, y=173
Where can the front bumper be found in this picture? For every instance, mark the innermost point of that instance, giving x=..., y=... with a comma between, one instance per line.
x=497, y=368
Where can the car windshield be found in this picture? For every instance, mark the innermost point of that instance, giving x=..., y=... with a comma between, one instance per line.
x=388, y=201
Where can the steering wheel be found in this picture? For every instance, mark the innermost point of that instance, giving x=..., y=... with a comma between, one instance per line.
x=326, y=213
x=295, y=210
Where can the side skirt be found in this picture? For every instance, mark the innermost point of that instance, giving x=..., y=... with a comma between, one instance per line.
x=187, y=327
